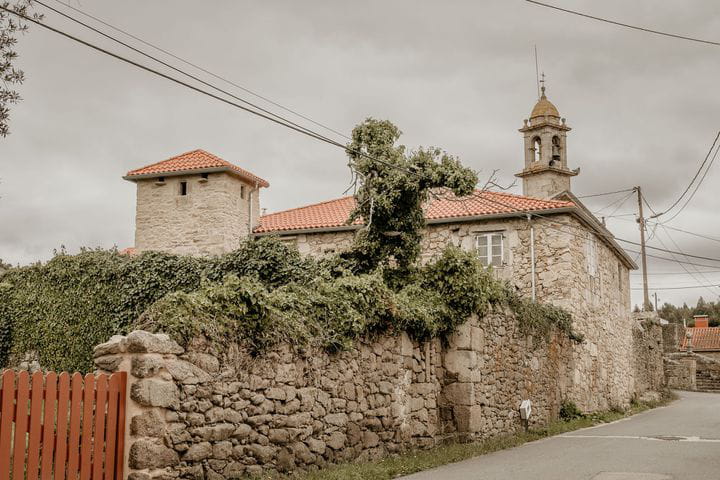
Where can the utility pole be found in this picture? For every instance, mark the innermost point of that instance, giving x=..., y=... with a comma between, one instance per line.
x=641, y=222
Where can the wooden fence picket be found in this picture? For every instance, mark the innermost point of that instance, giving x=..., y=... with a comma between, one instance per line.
x=6, y=421
x=61, y=427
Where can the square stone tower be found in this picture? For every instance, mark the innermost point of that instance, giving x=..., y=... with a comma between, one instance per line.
x=194, y=203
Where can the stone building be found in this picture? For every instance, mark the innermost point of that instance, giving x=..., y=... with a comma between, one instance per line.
x=194, y=203
x=544, y=242
x=701, y=338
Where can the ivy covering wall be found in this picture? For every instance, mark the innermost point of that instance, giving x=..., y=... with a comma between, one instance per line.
x=258, y=295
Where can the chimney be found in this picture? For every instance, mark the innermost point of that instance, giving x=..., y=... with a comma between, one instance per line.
x=701, y=321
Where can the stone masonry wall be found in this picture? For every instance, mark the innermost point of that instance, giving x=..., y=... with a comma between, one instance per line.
x=648, y=353
x=205, y=413
x=211, y=219
x=598, y=299
x=673, y=334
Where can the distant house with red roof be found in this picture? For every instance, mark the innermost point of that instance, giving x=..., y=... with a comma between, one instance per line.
x=544, y=242
x=702, y=338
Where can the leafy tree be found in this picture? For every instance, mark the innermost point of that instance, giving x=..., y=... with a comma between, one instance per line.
x=394, y=184
x=671, y=313
x=11, y=26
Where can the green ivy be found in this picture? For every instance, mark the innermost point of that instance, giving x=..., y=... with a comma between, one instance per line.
x=62, y=308
x=259, y=295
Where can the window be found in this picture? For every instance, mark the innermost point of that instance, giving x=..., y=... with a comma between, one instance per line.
x=591, y=256
x=204, y=175
x=161, y=179
x=183, y=188
x=620, y=277
x=490, y=249
x=242, y=191
x=536, y=149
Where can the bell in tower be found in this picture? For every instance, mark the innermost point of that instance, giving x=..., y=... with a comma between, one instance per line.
x=546, y=173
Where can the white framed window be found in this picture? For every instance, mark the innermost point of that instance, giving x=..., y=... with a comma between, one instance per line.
x=490, y=248
x=591, y=255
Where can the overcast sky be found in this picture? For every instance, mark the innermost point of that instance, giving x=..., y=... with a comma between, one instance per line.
x=459, y=75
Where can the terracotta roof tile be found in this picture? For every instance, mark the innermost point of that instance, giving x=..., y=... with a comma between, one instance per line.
x=703, y=339
x=334, y=213
x=194, y=160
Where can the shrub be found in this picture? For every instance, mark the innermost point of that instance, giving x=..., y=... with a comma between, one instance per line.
x=570, y=411
x=62, y=308
x=259, y=295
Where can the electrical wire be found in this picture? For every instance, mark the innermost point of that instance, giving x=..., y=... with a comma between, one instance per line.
x=182, y=72
x=202, y=69
x=607, y=193
x=714, y=239
x=697, y=173
x=703, y=277
x=700, y=257
x=681, y=288
x=271, y=118
x=673, y=260
x=674, y=273
x=634, y=27
x=696, y=187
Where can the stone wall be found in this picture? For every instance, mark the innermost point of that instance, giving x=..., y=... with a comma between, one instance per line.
x=204, y=413
x=598, y=298
x=648, y=353
x=212, y=218
x=673, y=334
x=680, y=372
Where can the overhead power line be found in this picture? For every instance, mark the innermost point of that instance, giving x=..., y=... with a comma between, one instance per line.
x=175, y=69
x=682, y=288
x=202, y=69
x=626, y=25
x=675, y=273
x=697, y=187
x=701, y=257
x=702, y=278
x=692, y=182
x=606, y=193
x=271, y=117
x=714, y=239
x=674, y=260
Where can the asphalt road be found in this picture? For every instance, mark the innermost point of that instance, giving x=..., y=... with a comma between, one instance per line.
x=679, y=441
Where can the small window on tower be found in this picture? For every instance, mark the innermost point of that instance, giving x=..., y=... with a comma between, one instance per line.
x=242, y=191
x=183, y=188
x=536, y=149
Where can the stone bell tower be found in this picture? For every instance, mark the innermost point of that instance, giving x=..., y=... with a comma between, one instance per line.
x=546, y=173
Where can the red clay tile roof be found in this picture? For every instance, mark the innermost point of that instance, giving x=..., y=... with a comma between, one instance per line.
x=703, y=339
x=334, y=213
x=195, y=160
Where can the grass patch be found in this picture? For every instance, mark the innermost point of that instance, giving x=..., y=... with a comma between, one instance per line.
x=416, y=461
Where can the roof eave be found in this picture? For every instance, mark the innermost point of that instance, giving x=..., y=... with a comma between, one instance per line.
x=493, y=216
x=434, y=221
x=194, y=171
x=298, y=231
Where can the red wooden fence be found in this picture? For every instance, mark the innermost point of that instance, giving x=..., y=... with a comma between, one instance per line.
x=62, y=427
